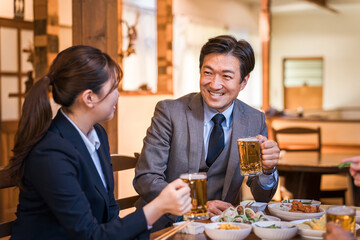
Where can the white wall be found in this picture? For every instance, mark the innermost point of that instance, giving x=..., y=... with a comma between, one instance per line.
x=320, y=33
x=134, y=116
x=197, y=21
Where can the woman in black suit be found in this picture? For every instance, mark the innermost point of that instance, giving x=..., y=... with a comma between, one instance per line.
x=62, y=166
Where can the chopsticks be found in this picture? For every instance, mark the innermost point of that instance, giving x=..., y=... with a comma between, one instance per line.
x=173, y=231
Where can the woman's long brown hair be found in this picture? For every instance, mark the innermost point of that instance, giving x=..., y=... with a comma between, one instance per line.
x=73, y=71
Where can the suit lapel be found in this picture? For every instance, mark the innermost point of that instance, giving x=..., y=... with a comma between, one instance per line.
x=239, y=129
x=195, y=119
x=69, y=132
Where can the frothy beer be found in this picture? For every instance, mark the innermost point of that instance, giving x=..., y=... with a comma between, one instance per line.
x=344, y=216
x=249, y=154
x=198, y=193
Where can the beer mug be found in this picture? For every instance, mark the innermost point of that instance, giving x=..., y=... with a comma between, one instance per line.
x=249, y=155
x=198, y=193
x=344, y=216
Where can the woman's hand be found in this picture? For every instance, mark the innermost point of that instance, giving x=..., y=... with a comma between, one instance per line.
x=174, y=199
x=270, y=152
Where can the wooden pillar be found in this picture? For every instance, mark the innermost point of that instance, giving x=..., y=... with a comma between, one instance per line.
x=46, y=34
x=164, y=46
x=265, y=27
x=95, y=23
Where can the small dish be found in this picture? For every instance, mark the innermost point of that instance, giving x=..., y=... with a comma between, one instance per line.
x=256, y=206
x=282, y=230
x=193, y=228
x=212, y=231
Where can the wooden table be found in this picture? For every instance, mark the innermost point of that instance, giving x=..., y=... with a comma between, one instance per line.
x=303, y=170
x=202, y=236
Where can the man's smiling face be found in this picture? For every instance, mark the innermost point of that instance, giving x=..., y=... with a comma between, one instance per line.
x=220, y=80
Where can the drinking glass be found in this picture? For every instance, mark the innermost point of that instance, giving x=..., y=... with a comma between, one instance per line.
x=249, y=155
x=198, y=193
x=344, y=216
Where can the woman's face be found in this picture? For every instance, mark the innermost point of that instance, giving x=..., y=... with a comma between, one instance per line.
x=108, y=98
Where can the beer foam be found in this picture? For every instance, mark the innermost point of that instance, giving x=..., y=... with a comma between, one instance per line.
x=340, y=210
x=249, y=139
x=193, y=176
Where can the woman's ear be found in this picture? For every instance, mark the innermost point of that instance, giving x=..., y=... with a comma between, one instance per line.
x=88, y=98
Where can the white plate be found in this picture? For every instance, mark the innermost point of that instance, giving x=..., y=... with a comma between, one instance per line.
x=271, y=218
x=275, y=210
x=357, y=216
x=309, y=233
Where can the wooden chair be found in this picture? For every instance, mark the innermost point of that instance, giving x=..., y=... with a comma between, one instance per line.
x=5, y=223
x=299, y=131
x=121, y=163
x=316, y=147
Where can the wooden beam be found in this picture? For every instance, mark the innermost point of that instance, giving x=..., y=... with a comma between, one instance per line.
x=95, y=23
x=164, y=46
x=265, y=28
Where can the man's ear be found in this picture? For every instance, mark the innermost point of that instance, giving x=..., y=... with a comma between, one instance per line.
x=244, y=82
x=88, y=98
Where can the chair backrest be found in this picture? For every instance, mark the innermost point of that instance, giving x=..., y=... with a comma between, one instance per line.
x=316, y=147
x=121, y=163
x=5, y=223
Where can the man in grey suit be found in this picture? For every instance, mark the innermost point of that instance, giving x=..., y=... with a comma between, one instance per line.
x=178, y=139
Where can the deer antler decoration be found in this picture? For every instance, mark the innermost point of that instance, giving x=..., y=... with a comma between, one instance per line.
x=132, y=35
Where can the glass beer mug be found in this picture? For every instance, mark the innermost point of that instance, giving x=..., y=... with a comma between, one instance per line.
x=344, y=216
x=249, y=155
x=198, y=193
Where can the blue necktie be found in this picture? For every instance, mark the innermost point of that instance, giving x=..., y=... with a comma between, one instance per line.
x=216, y=142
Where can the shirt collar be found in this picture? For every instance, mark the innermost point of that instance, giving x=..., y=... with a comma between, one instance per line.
x=209, y=113
x=91, y=141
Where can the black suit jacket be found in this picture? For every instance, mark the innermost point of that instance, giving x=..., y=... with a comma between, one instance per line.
x=65, y=197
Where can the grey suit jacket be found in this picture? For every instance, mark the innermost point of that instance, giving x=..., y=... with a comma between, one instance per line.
x=174, y=145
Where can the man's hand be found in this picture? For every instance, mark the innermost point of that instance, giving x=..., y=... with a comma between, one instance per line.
x=335, y=232
x=270, y=152
x=216, y=207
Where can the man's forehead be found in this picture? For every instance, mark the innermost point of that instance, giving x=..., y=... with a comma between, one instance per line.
x=227, y=62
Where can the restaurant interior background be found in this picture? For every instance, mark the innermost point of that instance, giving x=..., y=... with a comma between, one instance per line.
x=300, y=31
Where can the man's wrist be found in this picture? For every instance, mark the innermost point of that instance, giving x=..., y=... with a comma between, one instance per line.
x=269, y=171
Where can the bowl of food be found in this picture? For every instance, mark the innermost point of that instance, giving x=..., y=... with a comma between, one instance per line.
x=313, y=228
x=227, y=231
x=296, y=211
x=303, y=201
x=272, y=230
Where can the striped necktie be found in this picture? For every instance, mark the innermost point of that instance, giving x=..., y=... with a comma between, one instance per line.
x=216, y=142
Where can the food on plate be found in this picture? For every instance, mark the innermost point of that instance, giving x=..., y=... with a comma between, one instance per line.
x=290, y=201
x=228, y=226
x=270, y=226
x=274, y=226
x=241, y=215
x=316, y=224
x=297, y=206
